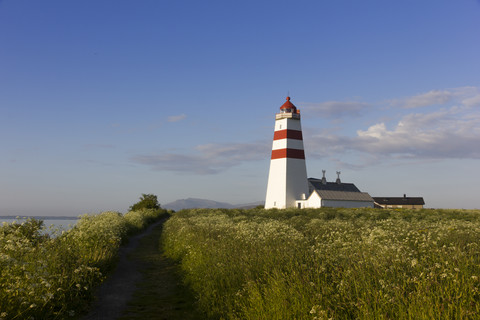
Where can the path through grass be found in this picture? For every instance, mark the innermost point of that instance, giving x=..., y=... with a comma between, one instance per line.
x=160, y=294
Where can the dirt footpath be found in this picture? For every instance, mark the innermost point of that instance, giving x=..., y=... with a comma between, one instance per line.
x=144, y=285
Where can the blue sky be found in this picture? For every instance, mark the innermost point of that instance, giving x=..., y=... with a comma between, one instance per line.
x=101, y=101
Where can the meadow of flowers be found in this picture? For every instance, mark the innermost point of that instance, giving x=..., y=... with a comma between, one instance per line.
x=329, y=263
x=51, y=275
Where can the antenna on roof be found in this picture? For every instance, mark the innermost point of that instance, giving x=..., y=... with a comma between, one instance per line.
x=338, y=177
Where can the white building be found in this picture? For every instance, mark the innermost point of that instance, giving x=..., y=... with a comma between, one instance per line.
x=288, y=185
x=334, y=194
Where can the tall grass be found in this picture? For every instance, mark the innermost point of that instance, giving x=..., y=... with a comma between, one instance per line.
x=330, y=263
x=46, y=276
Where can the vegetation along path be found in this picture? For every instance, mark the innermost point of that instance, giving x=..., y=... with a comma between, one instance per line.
x=144, y=285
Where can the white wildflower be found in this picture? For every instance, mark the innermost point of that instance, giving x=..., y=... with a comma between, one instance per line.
x=414, y=262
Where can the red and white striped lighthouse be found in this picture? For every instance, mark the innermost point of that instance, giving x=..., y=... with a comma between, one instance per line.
x=287, y=178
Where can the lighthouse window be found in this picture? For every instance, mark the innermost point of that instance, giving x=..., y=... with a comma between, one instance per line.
x=280, y=127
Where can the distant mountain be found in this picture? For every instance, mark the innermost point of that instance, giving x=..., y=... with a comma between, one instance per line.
x=191, y=203
x=250, y=205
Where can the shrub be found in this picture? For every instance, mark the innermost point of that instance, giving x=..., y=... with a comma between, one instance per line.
x=147, y=201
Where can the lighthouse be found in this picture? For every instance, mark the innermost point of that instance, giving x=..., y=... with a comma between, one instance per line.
x=287, y=178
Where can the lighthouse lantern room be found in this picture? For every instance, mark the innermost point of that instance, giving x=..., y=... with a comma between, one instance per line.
x=287, y=178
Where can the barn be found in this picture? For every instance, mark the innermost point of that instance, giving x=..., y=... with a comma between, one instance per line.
x=334, y=194
x=399, y=202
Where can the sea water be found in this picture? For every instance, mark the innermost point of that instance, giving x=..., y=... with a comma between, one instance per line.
x=50, y=223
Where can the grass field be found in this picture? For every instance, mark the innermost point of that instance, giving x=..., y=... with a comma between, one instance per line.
x=329, y=263
x=46, y=276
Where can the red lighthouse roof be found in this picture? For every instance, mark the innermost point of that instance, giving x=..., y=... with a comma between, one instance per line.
x=288, y=105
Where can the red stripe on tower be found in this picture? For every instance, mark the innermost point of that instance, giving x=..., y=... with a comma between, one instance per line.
x=288, y=134
x=288, y=153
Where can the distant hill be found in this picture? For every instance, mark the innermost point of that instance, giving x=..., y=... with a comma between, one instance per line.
x=191, y=203
x=250, y=205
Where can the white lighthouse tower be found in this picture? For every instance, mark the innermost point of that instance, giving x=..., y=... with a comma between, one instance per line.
x=287, y=178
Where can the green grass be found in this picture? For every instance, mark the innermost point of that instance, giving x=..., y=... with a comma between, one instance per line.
x=254, y=264
x=161, y=294
x=329, y=263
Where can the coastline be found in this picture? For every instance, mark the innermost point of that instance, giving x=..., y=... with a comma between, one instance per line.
x=39, y=217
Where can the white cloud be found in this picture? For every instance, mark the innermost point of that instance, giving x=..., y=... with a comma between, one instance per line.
x=468, y=96
x=444, y=134
x=335, y=109
x=472, y=101
x=209, y=158
x=434, y=97
x=176, y=118
x=376, y=131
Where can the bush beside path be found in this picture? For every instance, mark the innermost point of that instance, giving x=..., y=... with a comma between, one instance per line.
x=53, y=274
